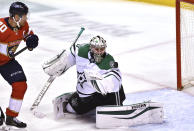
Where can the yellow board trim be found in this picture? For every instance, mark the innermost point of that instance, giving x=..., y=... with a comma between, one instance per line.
x=158, y=2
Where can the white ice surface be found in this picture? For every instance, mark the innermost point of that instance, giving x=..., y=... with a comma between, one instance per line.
x=141, y=37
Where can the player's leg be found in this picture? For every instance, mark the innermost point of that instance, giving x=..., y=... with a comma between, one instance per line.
x=70, y=103
x=13, y=73
x=82, y=105
x=115, y=98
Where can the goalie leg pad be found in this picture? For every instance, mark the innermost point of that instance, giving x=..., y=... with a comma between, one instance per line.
x=129, y=115
x=59, y=104
x=83, y=105
x=67, y=107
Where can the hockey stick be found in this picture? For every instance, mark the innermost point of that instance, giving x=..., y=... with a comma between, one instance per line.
x=20, y=51
x=40, y=96
x=47, y=85
x=81, y=31
x=42, y=92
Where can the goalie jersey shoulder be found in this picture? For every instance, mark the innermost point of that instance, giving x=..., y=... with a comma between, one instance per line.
x=106, y=64
x=83, y=50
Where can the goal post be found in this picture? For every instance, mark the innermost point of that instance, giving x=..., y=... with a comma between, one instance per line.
x=185, y=43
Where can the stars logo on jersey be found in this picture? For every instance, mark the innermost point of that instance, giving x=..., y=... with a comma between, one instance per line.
x=81, y=78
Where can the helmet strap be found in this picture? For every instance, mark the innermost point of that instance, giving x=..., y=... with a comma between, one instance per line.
x=17, y=22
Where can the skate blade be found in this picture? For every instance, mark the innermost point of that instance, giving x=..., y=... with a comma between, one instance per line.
x=11, y=128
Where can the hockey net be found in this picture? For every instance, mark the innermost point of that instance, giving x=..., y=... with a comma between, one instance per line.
x=185, y=43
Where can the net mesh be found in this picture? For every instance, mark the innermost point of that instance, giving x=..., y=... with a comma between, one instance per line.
x=187, y=43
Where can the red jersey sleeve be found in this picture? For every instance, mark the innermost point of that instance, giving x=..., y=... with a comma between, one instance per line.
x=28, y=30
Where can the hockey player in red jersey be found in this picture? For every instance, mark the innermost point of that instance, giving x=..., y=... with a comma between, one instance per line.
x=13, y=30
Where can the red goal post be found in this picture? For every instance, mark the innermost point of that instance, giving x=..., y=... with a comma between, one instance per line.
x=185, y=43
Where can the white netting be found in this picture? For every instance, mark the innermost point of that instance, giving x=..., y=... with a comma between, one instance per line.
x=187, y=43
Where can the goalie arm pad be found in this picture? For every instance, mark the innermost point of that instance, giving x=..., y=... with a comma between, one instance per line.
x=57, y=65
x=110, y=83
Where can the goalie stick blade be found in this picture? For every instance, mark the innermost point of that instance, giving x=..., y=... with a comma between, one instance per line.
x=38, y=114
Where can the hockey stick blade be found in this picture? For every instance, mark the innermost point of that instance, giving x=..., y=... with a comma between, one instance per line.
x=38, y=114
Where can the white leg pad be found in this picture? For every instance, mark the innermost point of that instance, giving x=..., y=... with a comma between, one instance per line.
x=129, y=115
x=58, y=105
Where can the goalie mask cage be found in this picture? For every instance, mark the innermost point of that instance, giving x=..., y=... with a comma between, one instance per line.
x=185, y=43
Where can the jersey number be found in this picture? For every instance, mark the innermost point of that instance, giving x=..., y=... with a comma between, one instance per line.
x=3, y=27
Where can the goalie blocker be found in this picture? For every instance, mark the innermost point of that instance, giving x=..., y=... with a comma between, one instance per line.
x=129, y=115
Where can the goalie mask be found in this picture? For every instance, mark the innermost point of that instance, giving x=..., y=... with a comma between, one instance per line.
x=98, y=48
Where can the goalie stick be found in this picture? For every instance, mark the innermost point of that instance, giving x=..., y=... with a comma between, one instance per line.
x=47, y=85
x=42, y=92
